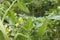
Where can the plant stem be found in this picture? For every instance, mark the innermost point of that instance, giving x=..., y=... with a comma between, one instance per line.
x=8, y=10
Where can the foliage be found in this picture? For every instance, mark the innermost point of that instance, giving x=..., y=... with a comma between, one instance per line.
x=29, y=20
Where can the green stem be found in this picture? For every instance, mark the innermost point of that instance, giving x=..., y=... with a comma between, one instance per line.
x=8, y=10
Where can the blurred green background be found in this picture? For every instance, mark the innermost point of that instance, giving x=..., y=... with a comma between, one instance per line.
x=41, y=19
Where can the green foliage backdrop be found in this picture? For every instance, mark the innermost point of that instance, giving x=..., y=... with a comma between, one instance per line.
x=29, y=19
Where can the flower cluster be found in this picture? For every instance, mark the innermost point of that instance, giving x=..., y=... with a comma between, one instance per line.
x=20, y=21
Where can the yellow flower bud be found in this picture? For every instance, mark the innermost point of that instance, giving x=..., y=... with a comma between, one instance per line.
x=17, y=24
x=21, y=20
x=7, y=30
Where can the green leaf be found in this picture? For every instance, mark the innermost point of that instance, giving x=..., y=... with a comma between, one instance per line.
x=28, y=1
x=41, y=30
x=56, y=17
x=3, y=34
x=20, y=36
x=22, y=6
x=28, y=25
x=12, y=16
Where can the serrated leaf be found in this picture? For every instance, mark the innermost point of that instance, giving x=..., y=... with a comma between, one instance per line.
x=28, y=25
x=42, y=28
